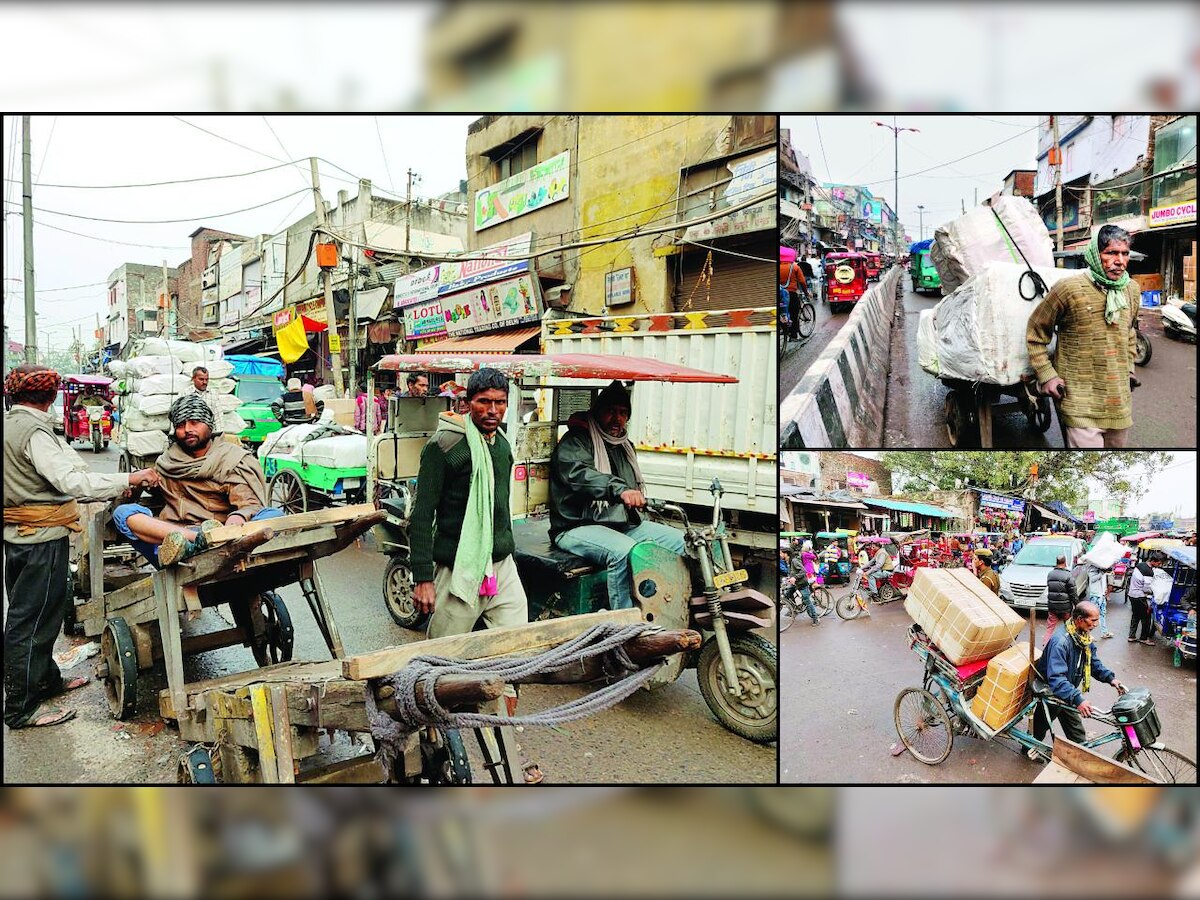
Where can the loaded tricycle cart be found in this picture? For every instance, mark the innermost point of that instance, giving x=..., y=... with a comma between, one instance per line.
x=927, y=719
x=969, y=407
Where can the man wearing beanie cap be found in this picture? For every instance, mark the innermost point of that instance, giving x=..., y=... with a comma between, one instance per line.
x=597, y=490
x=291, y=408
x=204, y=484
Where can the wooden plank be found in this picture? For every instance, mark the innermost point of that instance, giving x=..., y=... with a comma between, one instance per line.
x=336, y=704
x=145, y=610
x=211, y=564
x=1090, y=767
x=191, y=598
x=131, y=593
x=166, y=592
x=327, y=670
x=531, y=638
x=95, y=552
x=328, y=516
x=364, y=768
x=268, y=767
x=281, y=726
x=212, y=640
x=336, y=648
x=223, y=705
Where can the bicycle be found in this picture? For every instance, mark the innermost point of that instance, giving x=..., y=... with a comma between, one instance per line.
x=854, y=604
x=928, y=717
x=791, y=607
x=806, y=319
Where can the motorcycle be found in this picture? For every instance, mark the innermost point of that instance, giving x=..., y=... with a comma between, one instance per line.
x=1180, y=322
x=1144, y=349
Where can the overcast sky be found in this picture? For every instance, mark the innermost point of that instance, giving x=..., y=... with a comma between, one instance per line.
x=859, y=152
x=111, y=150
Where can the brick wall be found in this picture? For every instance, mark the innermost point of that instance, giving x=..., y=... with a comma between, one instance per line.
x=835, y=465
x=187, y=285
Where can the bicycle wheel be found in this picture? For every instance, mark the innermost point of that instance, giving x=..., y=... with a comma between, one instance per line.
x=787, y=614
x=823, y=601
x=1161, y=763
x=847, y=606
x=807, y=319
x=923, y=725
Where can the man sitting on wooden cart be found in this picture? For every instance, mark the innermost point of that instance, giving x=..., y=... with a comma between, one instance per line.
x=205, y=484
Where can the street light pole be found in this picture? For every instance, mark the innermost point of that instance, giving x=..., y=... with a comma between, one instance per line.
x=921, y=212
x=895, y=130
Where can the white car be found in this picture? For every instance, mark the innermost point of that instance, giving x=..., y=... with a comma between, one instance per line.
x=1023, y=581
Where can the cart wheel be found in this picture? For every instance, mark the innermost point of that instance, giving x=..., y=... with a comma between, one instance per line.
x=196, y=767
x=123, y=462
x=962, y=429
x=887, y=593
x=754, y=715
x=1144, y=350
x=1039, y=416
x=274, y=643
x=288, y=492
x=444, y=757
x=847, y=606
x=398, y=595
x=923, y=725
x=119, y=655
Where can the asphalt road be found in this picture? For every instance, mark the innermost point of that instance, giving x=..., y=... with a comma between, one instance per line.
x=1164, y=407
x=665, y=736
x=799, y=355
x=839, y=681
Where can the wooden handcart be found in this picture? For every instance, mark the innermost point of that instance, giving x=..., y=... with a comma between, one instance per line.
x=969, y=407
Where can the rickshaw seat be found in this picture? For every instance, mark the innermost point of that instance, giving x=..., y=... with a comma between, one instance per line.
x=535, y=553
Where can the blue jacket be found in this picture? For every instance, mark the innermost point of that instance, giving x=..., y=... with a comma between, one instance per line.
x=1061, y=666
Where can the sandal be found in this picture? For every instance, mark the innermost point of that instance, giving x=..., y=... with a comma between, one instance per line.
x=533, y=773
x=46, y=715
x=74, y=684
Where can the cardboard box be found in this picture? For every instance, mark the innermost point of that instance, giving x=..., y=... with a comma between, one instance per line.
x=965, y=619
x=1149, y=282
x=1002, y=693
x=343, y=410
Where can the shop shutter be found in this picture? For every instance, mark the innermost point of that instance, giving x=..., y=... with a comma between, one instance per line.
x=737, y=283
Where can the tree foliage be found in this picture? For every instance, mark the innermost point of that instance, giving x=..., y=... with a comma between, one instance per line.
x=1062, y=474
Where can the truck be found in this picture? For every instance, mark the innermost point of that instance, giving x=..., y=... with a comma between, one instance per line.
x=687, y=434
x=259, y=384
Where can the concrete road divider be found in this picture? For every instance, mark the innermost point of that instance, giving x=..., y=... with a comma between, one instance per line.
x=839, y=401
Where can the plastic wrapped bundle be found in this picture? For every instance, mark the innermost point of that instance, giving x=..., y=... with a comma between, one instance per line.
x=232, y=423
x=1104, y=552
x=186, y=351
x=220, y=368
x=963, y=247
x=136, y=420
x=172, y=383
x=143, y=443
x=977, y=333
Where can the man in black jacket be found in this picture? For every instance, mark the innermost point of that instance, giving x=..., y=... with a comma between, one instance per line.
x=597, y=490
x=1060, y=596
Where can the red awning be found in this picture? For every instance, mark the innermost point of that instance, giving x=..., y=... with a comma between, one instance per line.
x=561, y=365
x=506, y=341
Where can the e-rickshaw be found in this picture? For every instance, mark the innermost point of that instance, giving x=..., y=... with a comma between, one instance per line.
x=1176, y=618
x=87, y=409
x=1144, y=548
x=874, y=266
x=846, y=279
x=736, y=669
x=834, y=572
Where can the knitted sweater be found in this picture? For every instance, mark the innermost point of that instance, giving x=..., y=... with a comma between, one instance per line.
x=1093, y=358
x=443, y=485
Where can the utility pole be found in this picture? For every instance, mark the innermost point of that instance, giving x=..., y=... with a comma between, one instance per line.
x=27, y=230
x=168, y=311
x=1058, y=238
x=330, y=314
x=407, y=213
x=921, y=211
x=895, y=129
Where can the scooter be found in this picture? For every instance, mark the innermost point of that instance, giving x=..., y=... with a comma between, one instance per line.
x=1144, y=349
x=1180, y=322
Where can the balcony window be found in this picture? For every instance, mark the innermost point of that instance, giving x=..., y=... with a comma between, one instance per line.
x=1174, y=147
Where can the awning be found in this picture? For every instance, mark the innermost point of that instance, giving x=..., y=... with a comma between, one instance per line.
x=921, y=509
x=1051, y=514
x=368, y=303
x=1061, y=508
x=507, y=341
x=813, y=501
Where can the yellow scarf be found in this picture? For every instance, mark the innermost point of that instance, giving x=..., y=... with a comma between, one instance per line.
x=1084, y=640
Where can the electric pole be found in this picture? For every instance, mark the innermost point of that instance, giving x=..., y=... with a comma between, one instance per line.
x=1058, y=238
x=170, y=329
x=27, y=230
x=895, y=129
x=407, y=212
x=921, y=212
x=330, y=314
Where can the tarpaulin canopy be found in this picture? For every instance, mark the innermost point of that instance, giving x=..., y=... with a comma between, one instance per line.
x=559, y=365
x=1185, y=555
x=921, y=509
x=255, y=365
x=505, y=341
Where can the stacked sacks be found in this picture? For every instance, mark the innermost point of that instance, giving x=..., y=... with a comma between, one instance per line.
x=151, y=381
x=977, y=333
x=962, y=248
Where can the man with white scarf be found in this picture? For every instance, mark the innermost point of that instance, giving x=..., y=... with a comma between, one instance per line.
x=597, y=491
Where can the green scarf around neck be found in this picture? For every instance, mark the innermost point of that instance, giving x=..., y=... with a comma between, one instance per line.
x=1084, y=640
x=473, y=558
x=1115, y=300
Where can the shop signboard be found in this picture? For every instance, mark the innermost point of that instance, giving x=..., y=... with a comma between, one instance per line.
x=536, y=187
x=456, y=277
x=857, y=480
x=416, y=287
x=1089, y=517
x=424, y=319
x=618, y=287
x=751, y=176
x=499, y=304
x=1013, y=504
x=1173, y=214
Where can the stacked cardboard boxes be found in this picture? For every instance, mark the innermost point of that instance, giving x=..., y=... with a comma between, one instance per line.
x=1002, y=693
x=961, y=616
x=1189, y=276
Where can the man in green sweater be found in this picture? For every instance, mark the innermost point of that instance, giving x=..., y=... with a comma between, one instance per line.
x=1092, y=370
x=461, y=527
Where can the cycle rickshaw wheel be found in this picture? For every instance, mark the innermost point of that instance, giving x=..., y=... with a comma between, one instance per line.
x=923, y=725
x=1162, y=764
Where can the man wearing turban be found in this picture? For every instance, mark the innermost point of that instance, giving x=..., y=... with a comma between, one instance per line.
x=44, y=480
x=205, y=483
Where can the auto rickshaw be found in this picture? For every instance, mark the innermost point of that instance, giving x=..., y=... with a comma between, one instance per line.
x=1177, y=617
x=874, y=265
x=924, y=275
x=846, y=277
x=87, y=409
x=839, y=572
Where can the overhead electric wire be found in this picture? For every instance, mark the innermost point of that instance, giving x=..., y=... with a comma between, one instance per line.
x=148, y=184
x=234, y=212
x=952, y=161
x=40, y=224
